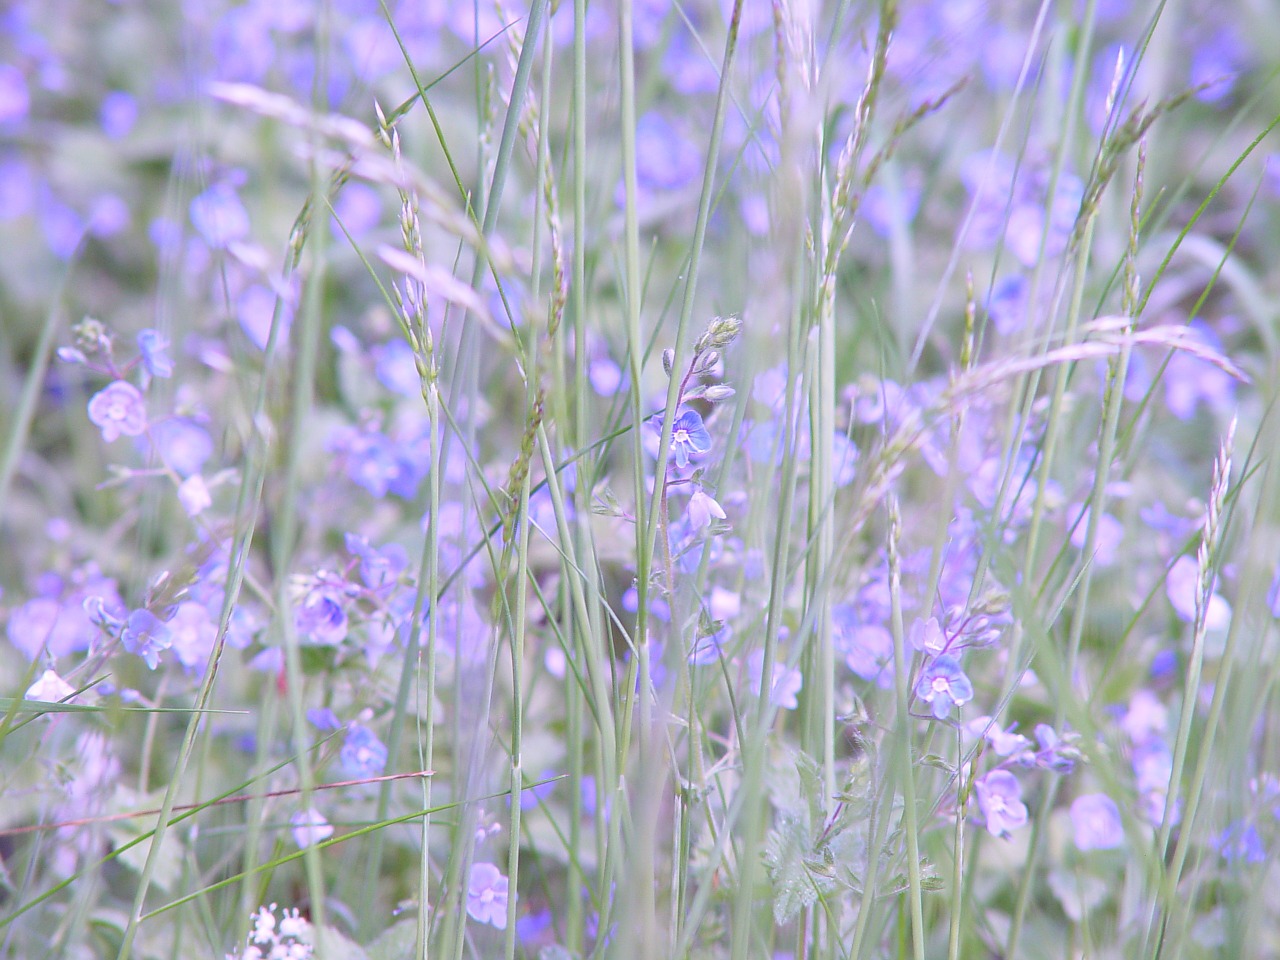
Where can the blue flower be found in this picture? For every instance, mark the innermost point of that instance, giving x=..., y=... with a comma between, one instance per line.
x=145, y=635
x=363, y=754
x=943, y=684
x=688, y=435
x=153, y=345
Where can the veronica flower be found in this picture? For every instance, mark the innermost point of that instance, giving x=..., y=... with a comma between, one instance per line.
x=1000, y=800
x=688, y=435
x=943, y=684
x=487, y=893
x=145, y=635
x=1096, y=821
x=309, y=827
x=118, y=409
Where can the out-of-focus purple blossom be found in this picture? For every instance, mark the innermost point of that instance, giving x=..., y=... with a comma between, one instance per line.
x=182, y=444
x=1096, y=823
x=1146, y=717
x=17, y=189
x=1007, y=305
x=255, y=308
x=487, y=895
x=927, y=637
x=379, y=568
x=193, y=494
x=1005, y=742
x=309, y=827
x=1109, y=537
x=219, y=216
x=397, y=369
x=378, y=463
x=323, y=718
x=118, y=409
x=62, y=227
x=192, y=633
x=50, y=688
x=152, y=344
x=1218, y=56
x=1012, y=205
x=667, y=159
x=243, y=47
x=943, y=684
x=1241, y=843
x=606, y=376
x=867, y=648
x=117, y=114
x=1152, y=768
x=145, y=635
x=1056, y=753
x=784, y=685
x=108, y=216
x=1190, y=381
x=883, y=207
x=1181, y=587
x=1000, y=800
x=15, y=101
x=363, y=755
x=322, y=615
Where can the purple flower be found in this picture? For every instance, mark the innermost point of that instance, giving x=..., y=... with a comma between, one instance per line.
x=1240, y=842
x=1190, y=380
x=363, y=754
x=15, y=101
x=784, y=684
x=868, y=652
x=219, y=216
x=1096, y=820
x=943, y=684
x=927, y=637
x=145, y=635
x=183, y=445
x=118, y=409
x=1000, y=800
x=192, y=634
x=688, y=435
x=117, y=114
x=487, y=893
x=702, y=509
x=322, y=617
x=1181, y=586
x=153, y=345
x=309, y=827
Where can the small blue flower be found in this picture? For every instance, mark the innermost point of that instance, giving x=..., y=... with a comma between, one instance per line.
x=363, y=754
x=145, y=635
x=153, y=345
x=688, y=435
x=943, y=684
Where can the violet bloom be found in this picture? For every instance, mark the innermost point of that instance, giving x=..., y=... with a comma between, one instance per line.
x=1000, y=800
x=868, y=652
x=309, y=827
x=688, y=435
x=152, y=344
x=219, y=216
x=784, y=684
x=487, y=894
x=943, y=684
x=702, y=509
x=1096, y=820
x=363, y=754
x=322, y=618
x=118, y=409
x=1240, y=842
x=145, y=635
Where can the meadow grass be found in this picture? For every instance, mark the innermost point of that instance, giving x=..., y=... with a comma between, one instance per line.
x=637, y=480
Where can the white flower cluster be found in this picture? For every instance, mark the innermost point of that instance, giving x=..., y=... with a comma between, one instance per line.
x=290, y=939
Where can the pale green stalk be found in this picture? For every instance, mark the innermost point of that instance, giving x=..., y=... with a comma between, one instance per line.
x=902, y=732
